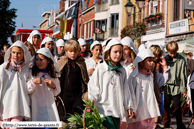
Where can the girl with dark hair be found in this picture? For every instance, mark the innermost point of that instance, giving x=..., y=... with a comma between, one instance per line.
x=50, y=44
x=43, y=85
x=91, y=63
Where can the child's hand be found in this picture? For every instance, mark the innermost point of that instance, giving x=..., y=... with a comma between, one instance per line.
x=131, y=114
x=91, y=70
x=163, y=63
x=50, y=83
x=134, y=115
x=37, y=81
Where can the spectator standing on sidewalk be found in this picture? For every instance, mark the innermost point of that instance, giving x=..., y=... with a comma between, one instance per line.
x=175, y=85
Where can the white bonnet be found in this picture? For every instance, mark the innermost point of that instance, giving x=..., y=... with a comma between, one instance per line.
x=46, y=52
x=27, y=55
x=112, y=43
x=34, y=32
x=81, y=42
x=142, y=55
x=60, y=42
x=94, y=43
x=128, y=42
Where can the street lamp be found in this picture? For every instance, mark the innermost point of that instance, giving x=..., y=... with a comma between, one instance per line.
x=140, y=4
x=129, y=6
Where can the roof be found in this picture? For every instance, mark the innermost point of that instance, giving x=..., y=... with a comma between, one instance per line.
x=46, y=12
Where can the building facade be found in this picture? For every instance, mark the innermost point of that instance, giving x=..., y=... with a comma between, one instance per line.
x=108, y=19
x=155, y=16
x=45, y=23
x=180, y=21
x=86, y=22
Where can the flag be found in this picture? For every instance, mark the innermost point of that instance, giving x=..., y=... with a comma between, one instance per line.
x=65, y=26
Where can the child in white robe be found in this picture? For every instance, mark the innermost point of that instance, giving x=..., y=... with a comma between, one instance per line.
x=14, y=72
x=50, y=44
x=43, y=85
x=93, y=61
x=60, y=49
x=141, y=81
x=83, y=46
x=108, y=87
x=35, y=38
x=130, y=51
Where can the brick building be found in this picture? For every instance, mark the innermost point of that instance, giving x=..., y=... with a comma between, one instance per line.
x=154, y=13
x=86, y=22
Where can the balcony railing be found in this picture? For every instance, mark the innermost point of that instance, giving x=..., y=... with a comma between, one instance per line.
x=101, y=36
x=114, y=2
x=101, y=7
x=113, y=32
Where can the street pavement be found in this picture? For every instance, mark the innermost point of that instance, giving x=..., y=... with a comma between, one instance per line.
x=186, y=120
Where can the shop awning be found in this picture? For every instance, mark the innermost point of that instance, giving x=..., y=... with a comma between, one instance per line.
x=185, y=47
x=190, y=41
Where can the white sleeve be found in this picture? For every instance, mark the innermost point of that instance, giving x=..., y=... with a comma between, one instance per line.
x=93, y=86
x=57, y=90
x=86, y=64
x=167, y=74
x=30, y=85
x=134, y=91
x=129, y=98
x=163, y=78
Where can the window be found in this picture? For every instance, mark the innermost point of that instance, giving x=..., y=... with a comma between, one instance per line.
x=80, y=30
x=71, y=2
x=91, y=28
x=114, y=24
x=84, y=31
x=102, y=1
x=160, y=5
x=82, y=5
x=88, y=29
x=114, y=20
x=155, y=4
x=114, y=2
x=102, y=25
x=87, y=4
x=176, y=10
x=70, y=12
x=150, y=8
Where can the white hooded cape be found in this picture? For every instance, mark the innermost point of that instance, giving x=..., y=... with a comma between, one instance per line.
x=48, y=39
x=110, y=90
x=127, y=41
x=144, y=98
x=14, y=99
x=34, y=32
x=43, y=104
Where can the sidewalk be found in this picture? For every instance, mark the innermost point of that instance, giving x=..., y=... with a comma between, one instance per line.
x=186, y=120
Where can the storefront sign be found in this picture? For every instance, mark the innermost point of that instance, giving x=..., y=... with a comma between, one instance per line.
x=178, y=26
x=189, y=5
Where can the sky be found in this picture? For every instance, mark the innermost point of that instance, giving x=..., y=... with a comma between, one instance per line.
x=29, y=12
